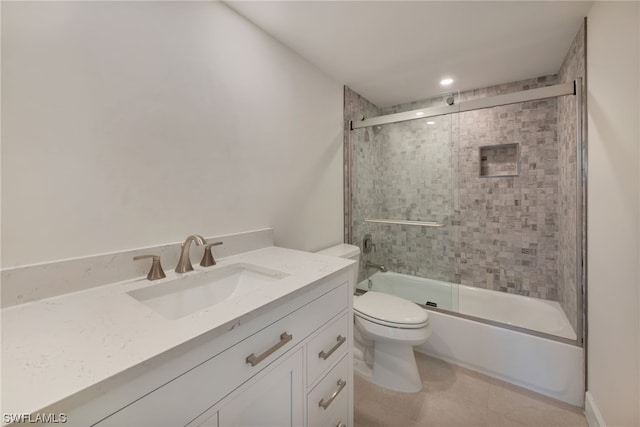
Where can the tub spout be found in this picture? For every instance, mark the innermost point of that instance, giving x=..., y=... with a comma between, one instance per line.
x=382, y=268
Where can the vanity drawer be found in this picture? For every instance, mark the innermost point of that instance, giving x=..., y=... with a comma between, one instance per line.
x=328, y=346
x=337, y=416
x=170, y=405
x=333, y=393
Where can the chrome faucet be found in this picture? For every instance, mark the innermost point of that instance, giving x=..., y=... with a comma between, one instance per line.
x=184, y=263
x=382, y=268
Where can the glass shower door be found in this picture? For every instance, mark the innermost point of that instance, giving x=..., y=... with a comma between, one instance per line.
x=403, y=209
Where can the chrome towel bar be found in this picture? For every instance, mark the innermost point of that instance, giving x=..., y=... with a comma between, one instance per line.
x=405, y=222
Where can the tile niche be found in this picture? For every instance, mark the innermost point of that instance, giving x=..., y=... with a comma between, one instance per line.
x=499, y=160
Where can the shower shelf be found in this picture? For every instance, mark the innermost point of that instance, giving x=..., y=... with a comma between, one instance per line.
x=405, y=222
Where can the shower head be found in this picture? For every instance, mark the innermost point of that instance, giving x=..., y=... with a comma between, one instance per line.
x=449, y=100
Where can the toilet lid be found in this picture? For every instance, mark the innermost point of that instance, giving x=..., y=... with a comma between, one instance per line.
x=390, y=310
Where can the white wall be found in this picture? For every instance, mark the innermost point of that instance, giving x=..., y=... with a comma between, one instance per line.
x=128, y=124
x=613, y=73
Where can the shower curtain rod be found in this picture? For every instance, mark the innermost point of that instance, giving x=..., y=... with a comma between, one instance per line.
x=473, y=104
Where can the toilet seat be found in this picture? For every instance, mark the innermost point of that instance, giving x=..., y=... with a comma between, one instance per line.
x=389, y=310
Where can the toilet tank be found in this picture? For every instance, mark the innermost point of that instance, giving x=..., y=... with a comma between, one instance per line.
x=344, y=250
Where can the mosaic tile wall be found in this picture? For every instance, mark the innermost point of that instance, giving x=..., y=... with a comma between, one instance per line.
x=508, y=231
x=412, y=174
x=500, y=233
x=361, y=194
x=510, y=234
x=572, y=68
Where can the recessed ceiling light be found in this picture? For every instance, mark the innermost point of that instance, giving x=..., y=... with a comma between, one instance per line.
x=431, y=123
x=446, y=82
x=419, y=113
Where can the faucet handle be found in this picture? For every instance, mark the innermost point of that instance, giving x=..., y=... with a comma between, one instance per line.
x=207, y=257
x=156, y=272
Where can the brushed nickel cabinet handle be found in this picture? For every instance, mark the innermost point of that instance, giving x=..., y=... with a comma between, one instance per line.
x=253, y=360
x=341, y=340
x=325, y=405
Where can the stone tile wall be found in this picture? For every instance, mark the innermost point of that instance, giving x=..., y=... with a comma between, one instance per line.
x=360, y=193
x=500, y=233
x=511, y=234
x=412, y=177
x=572, y=68
x=508, y=225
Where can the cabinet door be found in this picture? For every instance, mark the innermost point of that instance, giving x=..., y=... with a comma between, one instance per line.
x=274, y=398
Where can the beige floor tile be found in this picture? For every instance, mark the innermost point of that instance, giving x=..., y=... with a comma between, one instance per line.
x=366, y=413
x=494, y=419
x=445, y=380
x=442, y=411
x=532, y=409
x=457, y=397
x=387, y=401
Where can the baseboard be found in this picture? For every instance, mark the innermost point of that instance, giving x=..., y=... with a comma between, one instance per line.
x=591, y=412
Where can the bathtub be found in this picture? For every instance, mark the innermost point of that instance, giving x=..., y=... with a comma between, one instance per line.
x=509, y=337
x=535, y=314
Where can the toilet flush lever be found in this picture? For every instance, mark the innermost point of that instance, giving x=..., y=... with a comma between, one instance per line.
x=207, y=257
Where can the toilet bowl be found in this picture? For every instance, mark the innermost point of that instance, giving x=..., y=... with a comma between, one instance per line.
x=386, y=329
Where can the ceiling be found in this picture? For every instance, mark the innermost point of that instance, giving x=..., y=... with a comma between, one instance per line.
x=393, y=52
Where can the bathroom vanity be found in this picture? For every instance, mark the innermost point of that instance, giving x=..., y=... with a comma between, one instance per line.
x=278, y=354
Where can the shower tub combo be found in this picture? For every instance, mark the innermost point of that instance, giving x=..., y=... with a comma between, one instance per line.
x=491, y=180
x=522, y=340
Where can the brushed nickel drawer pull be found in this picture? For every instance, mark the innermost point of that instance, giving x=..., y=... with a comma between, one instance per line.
x=325, y=405
x=253, y=360
x=325, y=356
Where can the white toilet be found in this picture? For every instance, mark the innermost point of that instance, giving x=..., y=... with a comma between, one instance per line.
x=386, y=329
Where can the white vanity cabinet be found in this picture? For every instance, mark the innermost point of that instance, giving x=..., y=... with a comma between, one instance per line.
x=274, y=397
x=292, y=369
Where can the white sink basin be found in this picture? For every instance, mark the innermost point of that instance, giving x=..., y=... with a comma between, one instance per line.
x=197, y=291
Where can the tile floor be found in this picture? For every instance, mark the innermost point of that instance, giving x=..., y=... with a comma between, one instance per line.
x=454, y=396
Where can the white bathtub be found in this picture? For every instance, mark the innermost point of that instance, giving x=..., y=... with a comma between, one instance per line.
x=525, y=312
x=546, y=366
